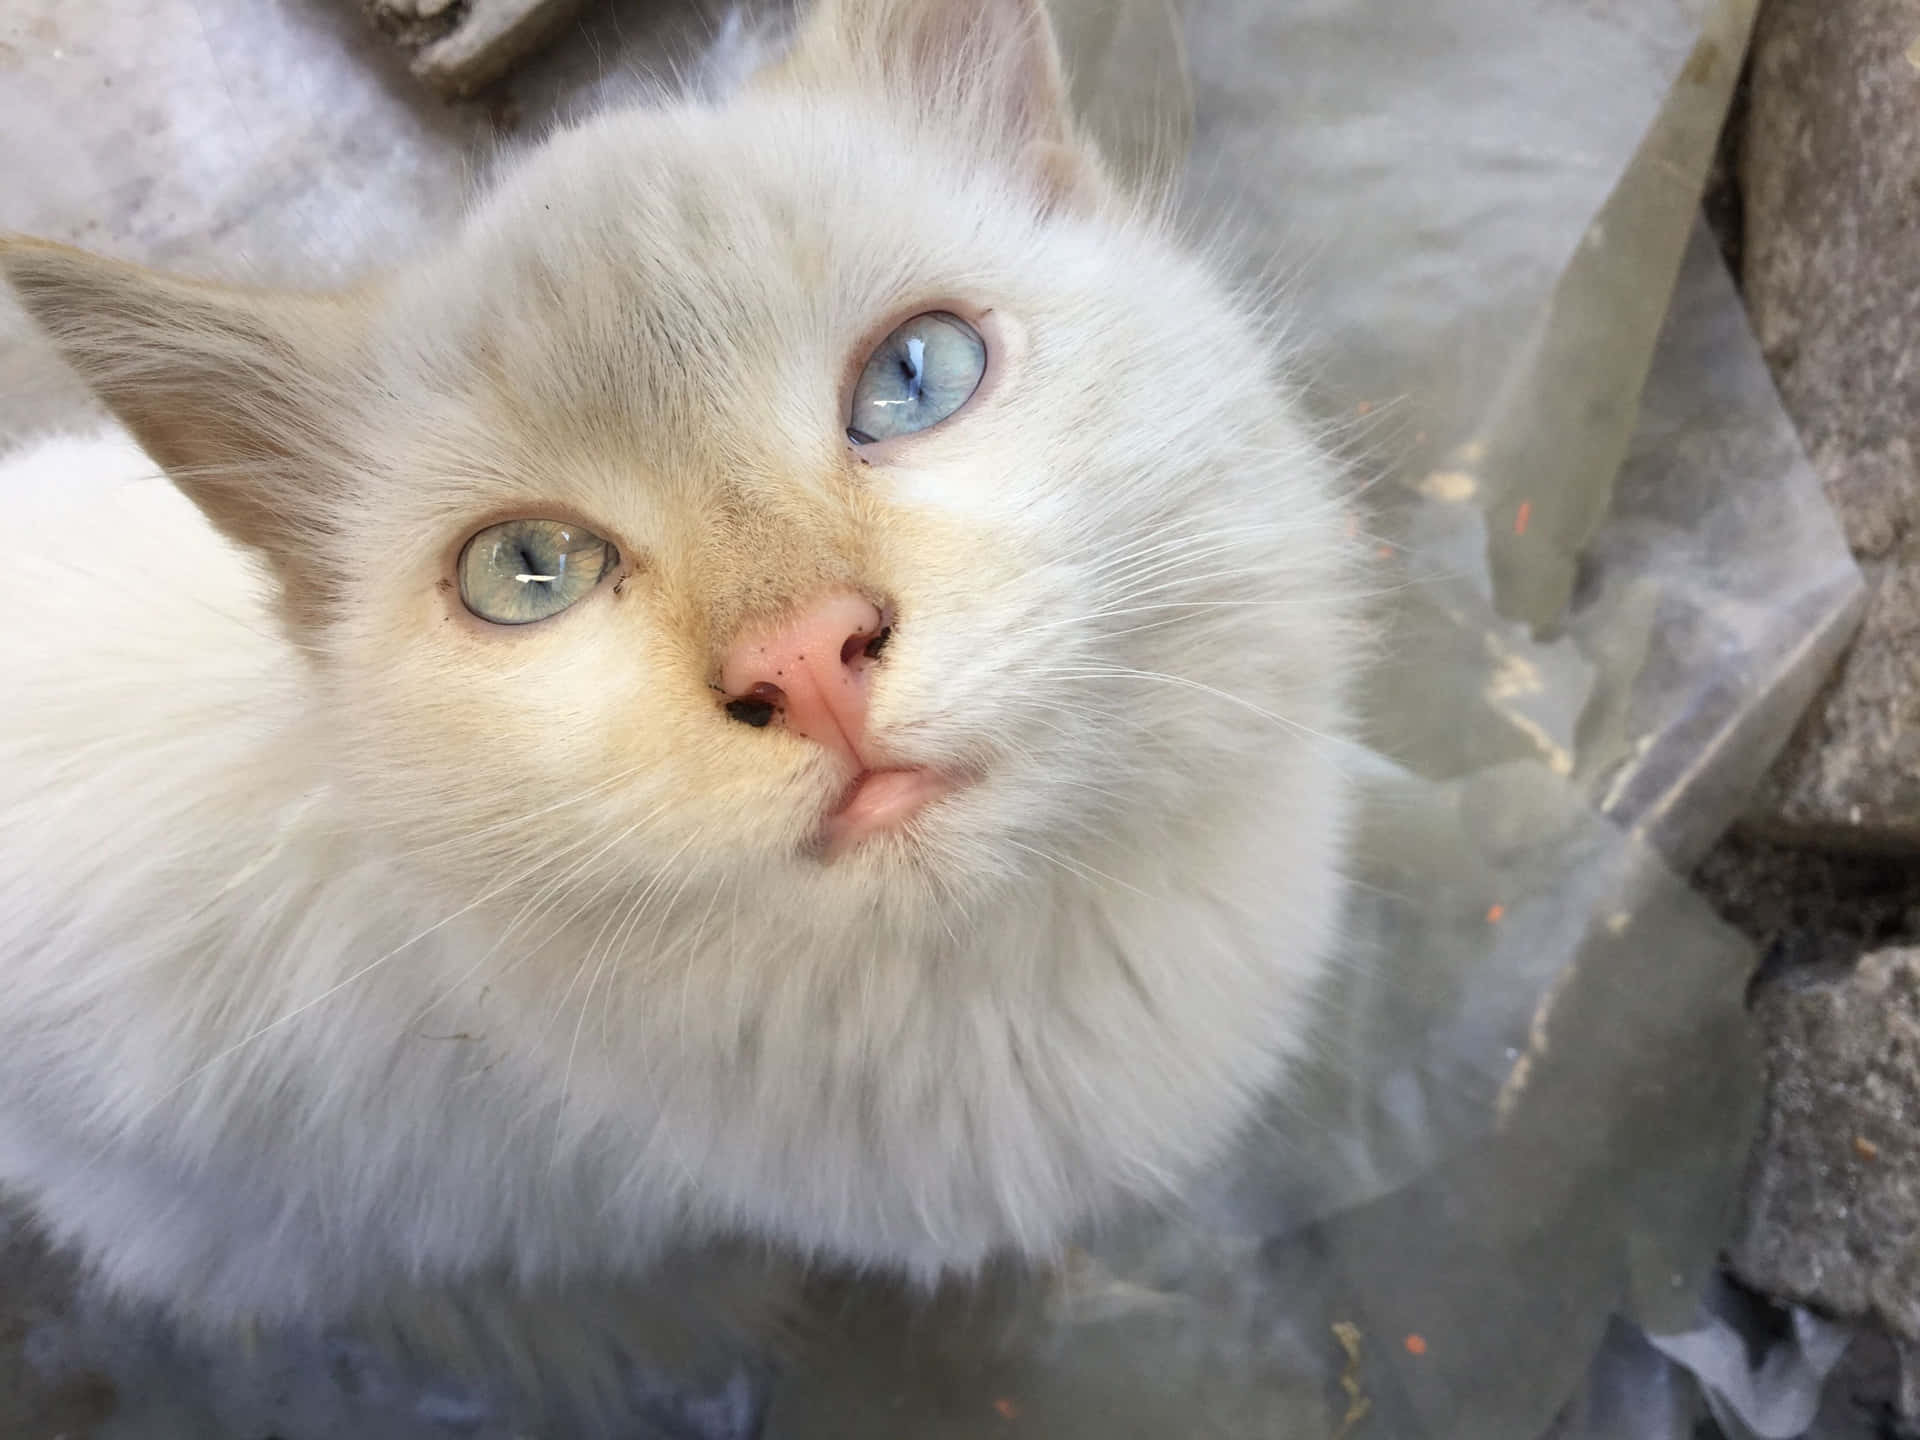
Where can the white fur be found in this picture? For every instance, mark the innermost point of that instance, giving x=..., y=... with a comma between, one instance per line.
x=405, y=948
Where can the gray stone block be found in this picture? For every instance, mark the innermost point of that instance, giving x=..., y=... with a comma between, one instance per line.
x=1832, y=1216
x=1831, y=177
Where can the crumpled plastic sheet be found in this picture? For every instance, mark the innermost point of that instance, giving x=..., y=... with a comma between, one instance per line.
x=1612, y=585
x=1777, y=1398
x=1740, y=1374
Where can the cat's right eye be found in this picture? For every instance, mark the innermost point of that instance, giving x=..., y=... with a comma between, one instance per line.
x=525, y=570
x=916, y=377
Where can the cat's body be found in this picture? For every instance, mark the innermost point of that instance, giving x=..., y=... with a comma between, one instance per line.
x=348, y=940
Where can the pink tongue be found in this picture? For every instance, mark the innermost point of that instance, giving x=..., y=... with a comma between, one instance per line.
x=880, y=800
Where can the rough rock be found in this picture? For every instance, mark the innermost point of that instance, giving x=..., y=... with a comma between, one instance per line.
x=1850, y=777
x=1833, y=1204
x=459, y=47
x=1830, y=174
x=1803, y=908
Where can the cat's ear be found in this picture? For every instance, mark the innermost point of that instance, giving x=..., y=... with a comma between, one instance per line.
x=986, y=71
x=230, y=391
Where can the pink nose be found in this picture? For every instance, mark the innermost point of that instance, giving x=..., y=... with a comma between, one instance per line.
x=809, y=671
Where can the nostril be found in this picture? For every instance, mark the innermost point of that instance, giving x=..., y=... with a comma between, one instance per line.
x=865, y=644
x=758, y=706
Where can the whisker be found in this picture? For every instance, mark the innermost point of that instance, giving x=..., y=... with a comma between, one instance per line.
x=516, y=822
x=1187, y=605
x=546, y=898
x=693, y=956
x=586, y=1000
x=332, y=990
x=557, y=894
x=1076, y=868
x=1119, y=672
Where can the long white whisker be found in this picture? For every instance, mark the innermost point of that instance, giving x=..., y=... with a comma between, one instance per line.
x=1076, y=868
x=330, y=992
x=1189, y=605
x=1118, y=672
x=549, y=895
x=586, y=1000
x=516, y=822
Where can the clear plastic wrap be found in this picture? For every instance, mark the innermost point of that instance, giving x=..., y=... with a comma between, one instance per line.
x=1613, y=584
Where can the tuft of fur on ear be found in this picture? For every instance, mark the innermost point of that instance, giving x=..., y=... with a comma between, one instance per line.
x=989, y=71
x=228, y=390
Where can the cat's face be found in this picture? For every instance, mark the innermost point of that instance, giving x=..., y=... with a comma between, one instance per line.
x=1086, y=611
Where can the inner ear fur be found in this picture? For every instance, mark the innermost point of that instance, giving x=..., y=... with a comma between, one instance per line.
x=235, y=393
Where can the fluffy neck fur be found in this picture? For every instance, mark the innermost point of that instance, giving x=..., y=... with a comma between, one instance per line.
x=347, y=942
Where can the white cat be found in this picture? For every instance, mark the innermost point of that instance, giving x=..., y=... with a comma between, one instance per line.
x=776, y=685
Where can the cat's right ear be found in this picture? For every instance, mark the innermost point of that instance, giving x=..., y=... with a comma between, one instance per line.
x=231, y=391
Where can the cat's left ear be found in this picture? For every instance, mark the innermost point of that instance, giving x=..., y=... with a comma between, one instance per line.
x=237, y=394
x=987, y=72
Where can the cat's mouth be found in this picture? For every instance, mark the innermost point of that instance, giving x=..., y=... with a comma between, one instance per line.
x=877, y=801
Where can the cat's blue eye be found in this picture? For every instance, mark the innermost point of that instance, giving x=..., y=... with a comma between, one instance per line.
x=918, y=376
x=526, y=570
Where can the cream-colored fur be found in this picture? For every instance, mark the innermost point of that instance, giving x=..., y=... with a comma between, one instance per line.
x=345, y=938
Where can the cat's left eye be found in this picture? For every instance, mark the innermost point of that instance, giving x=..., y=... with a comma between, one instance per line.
x=916, y=377
x=525, y=570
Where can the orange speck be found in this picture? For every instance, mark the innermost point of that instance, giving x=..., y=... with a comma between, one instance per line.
x=1006, y=1409
x=1386, y=552
x=1495, y=914
x=1363, y=407
x=1865, y=1148
x=1522, y=516
x=1416, y=1344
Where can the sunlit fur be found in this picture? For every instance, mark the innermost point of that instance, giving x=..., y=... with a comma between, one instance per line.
x=346, y=938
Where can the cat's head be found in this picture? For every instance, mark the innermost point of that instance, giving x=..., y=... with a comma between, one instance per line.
x=844, y=493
